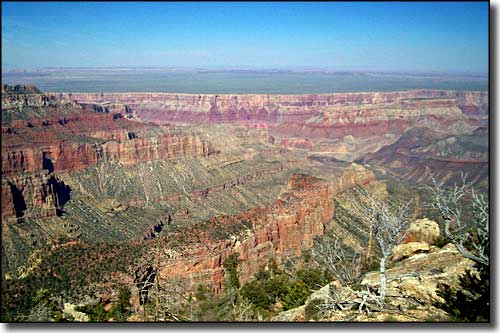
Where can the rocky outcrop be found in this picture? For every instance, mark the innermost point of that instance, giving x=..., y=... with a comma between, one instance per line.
x=59, y=135
x=259, y=175
x=163, y=147
x=412, y=286
x=32, y=196
x=423, y=230
x=71, y=313
x=19, y=90
x=43, y=136
x=406, y=250
x=282, y=230
x=20, y=96
x=420, y=274
x=416, y=270
x=345, y=125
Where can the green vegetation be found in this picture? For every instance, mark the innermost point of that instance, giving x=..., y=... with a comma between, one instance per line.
x=95, y=312
x=471, y=301
x=70, y=272
x=42, y=307
x=222, y=231
x=313, y=278
x=272, y=287
x=231, y=265
x=296, y=294
x=45, y=307
x=313, y=309
x=121, y=310
x=441, y=241
x=269, y=292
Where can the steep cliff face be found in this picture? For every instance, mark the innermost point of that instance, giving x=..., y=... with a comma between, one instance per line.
x=19, y=89
x=42, y=136
x=335, y=115
x=168, y=146
x=21, y=96
x=72, y=157
x=240, y=105
x=59, y=135
x=32, y=196
x=222, y=188
x=282, y=230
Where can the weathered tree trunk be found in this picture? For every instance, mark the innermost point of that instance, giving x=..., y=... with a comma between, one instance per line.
x=383, y=278
x=369, y=247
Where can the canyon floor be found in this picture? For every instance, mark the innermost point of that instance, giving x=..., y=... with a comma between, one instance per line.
x=172, y=200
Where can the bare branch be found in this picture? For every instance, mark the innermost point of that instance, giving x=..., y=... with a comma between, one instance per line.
x=341, y=261
x=471, y=235
x=390, y=222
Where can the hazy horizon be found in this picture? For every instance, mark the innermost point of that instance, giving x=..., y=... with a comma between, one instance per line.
x=247, y=68
x=236, y=81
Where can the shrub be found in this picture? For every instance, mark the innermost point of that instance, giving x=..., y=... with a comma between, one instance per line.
x=276, y=287
x=471, y=302
x=95, y=312
x=441, y=241
x=256, y=295
x=262, y=275
x=268, y=287
x=307, y=255
x=313, y=309
x=313, y=278
x=273, y=266
x=121, y=310
x=202, y=292
x=231, y=265
x=296, y=295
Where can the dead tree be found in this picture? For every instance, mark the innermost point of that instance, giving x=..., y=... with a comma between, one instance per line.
x=470, y=235
x=333, y=254
x=390, y=222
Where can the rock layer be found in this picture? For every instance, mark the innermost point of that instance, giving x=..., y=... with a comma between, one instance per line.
x=42, y=135
x=32, y=196
x=333, y=115
x=421, y=152
x=282, y=230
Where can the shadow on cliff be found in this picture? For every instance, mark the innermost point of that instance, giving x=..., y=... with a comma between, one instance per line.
x=18, y=200
x=62, y=192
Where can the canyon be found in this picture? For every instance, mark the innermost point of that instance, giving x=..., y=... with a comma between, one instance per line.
x=343, y=125
x=284, y=229
x=259, y=176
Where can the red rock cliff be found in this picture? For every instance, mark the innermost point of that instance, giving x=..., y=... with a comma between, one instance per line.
x=282, y=230
x=332, y=115
x=32, y=196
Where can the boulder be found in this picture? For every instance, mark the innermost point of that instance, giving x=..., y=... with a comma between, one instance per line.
x=423, y=230
x=403, y=251
x=323, y=294
x=420, y=288
x=296, y=314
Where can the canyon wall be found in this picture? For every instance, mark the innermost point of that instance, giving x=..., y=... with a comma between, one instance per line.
x=42, y=135
x=73, y=156
x=320, y=116
x=302, y=212
x=421, y=153
x=32, y=196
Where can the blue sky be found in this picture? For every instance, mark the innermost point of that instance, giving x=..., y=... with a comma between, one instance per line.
x=427, y=36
